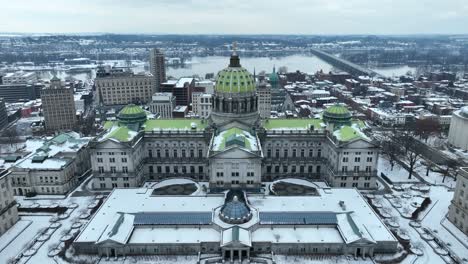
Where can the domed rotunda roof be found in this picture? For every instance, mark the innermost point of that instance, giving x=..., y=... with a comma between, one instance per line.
x=235, y=212
x=337, y=114
x=234, y=78
x=131, y=114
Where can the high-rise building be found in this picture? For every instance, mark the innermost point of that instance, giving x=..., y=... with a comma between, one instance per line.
x=202, y=104
x=163, y=104
x=458, y=209
x=58, y=105
x=264, y=100
x=8, y=209
x=157, y=68
x=3, y=114
x=118, y=87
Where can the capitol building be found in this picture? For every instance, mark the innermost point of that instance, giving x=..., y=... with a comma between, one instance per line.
x=240, y=165
x=234, y=148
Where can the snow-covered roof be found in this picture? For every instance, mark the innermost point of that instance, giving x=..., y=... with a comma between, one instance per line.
x=356, y=221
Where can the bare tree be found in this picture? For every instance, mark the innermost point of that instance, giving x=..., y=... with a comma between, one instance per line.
x=450, y=165
x=412, y=150
x=11, y=134
x=427, y=127
x=390, y=150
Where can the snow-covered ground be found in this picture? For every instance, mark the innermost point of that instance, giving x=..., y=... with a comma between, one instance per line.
x=397, y=175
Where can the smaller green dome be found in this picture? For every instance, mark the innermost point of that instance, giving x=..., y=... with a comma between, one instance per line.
x=337, y=114
x=131, y=114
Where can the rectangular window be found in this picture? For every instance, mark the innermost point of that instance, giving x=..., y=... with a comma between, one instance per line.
x=369, y=159
x=269, y=153
x=293, y=169
x=268, y=169
x=355, y=184
x=285, y=154
x=101, y=169
x=175, y=153
x=310, y=169
x=343, y=184
x=159, y=169
x=357, y=159
x=318, y=169
x=124, y=159
x=235, y=174
x=368, y=168
x=112, y=160
x=113, y=170
x=200, y=153
x=285, y=168
x=277, y=169
x=168, y=169
x=151, y=169
x=356, y=169
x=99, y=160
x=200, y=169
x=125, y=169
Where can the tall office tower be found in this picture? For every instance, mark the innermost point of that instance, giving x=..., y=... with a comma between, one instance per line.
x=264, y=99
x=58, y=106
x=157, y=68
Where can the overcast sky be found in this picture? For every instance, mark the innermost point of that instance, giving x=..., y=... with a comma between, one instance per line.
x=236, y=16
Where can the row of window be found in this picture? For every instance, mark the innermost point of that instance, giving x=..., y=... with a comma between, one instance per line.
x=220, y=174
x=310, y=169
x=175, y=169
x=234, y=182
x=357, y=159
x=111, y=160
x=175, y=153
x=113, y=169
x=356, y=169
x=123, y=153
x=294, y=153
x=113, y=185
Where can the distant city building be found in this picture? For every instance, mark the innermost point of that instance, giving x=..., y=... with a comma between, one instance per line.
x=180, y=111
x=458, y=128
x=264, y=100
x=157, y=68
x=458, y=209
x=58, y=106
x=20, y=78
x=13, y=93
x=3, y=115
x=182, y=89
x=163, y=104
x=118, y=87
x=207, y=85
x=52, y=166
x=202, y=104
x=8, y=207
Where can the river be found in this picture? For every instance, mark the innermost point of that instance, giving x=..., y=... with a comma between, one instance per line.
x=212, y=64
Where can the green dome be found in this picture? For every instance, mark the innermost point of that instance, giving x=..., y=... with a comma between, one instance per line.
x=234, y=79
x=337, y=114
x=131, y=114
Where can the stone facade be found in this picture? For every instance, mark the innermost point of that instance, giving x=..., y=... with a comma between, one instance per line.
x=116, y=87
x=8, y=209
x=58, y=105
x=458, y=209
x=163, y=104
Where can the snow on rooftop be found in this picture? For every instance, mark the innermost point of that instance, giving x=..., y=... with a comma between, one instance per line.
x=356, y=221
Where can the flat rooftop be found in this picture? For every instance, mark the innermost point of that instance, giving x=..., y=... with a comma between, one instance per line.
x=355, y=220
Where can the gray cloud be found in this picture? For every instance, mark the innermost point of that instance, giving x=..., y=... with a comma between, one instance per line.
x=236, y=16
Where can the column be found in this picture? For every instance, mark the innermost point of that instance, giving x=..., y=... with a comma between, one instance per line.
x=240, y=255
x=248, y=254
x=232, y=255
x=107, y=253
